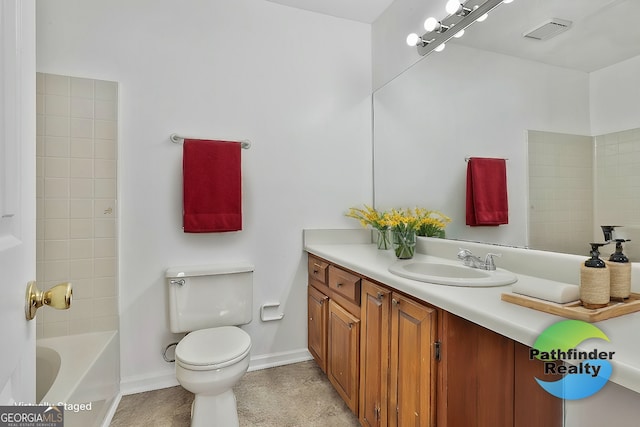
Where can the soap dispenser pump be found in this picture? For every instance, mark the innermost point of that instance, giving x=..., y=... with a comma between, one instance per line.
x=620, y=272
x=595, y=280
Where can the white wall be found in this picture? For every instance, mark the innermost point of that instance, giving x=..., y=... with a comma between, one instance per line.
x=292, y=82
x=615, y=97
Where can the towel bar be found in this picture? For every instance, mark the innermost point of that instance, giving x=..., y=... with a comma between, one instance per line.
x=177, y=139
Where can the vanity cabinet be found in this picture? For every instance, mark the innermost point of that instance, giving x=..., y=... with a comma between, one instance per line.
x=333, y=335
x=397, y=361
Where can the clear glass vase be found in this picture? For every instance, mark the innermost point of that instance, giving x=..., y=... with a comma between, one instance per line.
x=383, y=238
x=404, y=243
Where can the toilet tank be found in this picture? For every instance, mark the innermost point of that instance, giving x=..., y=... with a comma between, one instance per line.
x=209, y=296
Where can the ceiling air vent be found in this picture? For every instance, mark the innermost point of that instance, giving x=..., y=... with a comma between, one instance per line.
x=548, y=29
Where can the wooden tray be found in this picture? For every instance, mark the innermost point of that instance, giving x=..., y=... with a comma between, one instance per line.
x=575, y=310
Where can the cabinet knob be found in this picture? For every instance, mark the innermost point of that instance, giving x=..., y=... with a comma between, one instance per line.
x=339, y=285
x=395, y=301
x=380, y=295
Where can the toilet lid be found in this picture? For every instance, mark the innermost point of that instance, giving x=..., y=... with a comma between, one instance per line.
x=213, y=348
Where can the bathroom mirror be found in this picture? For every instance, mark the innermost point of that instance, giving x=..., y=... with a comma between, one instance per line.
x=487, y=93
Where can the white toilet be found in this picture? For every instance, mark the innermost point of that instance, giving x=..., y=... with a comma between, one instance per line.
x=209, y=302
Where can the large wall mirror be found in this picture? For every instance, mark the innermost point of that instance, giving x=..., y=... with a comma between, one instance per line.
x=563, y=111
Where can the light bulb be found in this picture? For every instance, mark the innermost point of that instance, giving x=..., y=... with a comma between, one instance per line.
x=483, y=17
x=413, y=39
x=431, y=24
x=453, y=6
x=459, y=34
x=506, y=1
x=440, y=48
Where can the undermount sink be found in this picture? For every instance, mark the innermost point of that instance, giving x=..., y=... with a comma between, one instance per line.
x=451, y=274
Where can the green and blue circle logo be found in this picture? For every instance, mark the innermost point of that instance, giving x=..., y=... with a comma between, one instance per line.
x=585, y=372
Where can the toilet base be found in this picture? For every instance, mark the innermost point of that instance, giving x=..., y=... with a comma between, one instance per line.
x=215, y=411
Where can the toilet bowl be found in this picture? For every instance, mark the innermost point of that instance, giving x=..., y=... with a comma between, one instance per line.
x=209, y=362
x=209, y=302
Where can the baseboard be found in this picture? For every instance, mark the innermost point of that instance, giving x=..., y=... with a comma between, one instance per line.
x=279, y=359
x=143, y=383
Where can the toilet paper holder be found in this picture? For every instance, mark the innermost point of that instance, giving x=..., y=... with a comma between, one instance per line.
x=268, y=312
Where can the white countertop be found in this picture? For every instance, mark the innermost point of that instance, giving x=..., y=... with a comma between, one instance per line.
x=484, y=307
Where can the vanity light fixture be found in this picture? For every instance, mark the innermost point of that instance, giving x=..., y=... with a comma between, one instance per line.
x=432, y=24
x=453, y=25
x=454, y=7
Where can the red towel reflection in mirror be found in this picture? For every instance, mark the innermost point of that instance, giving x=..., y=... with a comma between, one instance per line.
x=487, y=202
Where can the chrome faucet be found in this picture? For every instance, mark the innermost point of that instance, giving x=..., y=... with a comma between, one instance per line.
x=473, y=261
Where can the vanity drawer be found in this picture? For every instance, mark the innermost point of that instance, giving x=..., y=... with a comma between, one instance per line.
x=345, y=284
x=318, y=269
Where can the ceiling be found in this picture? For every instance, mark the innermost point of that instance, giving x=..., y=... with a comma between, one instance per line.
x=604, y=32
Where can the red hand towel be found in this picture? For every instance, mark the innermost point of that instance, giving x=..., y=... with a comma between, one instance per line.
x=212, y=182
x=487, y=192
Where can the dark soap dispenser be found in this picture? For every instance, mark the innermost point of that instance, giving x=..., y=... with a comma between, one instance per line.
x=620, y=272
x=595, y=280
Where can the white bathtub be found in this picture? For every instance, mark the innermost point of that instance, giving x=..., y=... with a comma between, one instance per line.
x=80, y=372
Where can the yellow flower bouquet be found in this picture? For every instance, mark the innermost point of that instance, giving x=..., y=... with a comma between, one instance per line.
x=369, y=216
x=404, y=225
x=431, y=223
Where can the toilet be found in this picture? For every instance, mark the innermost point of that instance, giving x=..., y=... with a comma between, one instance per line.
x=209, y=302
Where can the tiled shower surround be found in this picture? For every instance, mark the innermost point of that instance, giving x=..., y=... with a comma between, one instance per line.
x=76, y=201
x=578, y=183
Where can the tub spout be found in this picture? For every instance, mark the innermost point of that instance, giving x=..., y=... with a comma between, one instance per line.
x=58, y=297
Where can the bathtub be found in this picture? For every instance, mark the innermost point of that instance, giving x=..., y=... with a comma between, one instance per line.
x=81, y=373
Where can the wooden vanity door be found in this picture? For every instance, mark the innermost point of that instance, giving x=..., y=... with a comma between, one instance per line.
x=317, y=312
x=412, y=387
x=343, y=364
x=374, y=354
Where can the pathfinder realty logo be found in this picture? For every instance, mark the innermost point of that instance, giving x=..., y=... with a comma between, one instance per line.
x=584, y=372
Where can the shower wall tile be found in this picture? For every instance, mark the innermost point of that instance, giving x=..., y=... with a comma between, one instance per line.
x=560, y=191
x=57, y=105
x=56, y=187
x=106, y=110
x=81, y=188
x=82, y=108
x=82, y=88
x=106, y=287
x=81, y=168
x=106, y=90
x=56, y=126
x=76, y=164
x=106, y=129
x=81, y=128
x=105, y=188
x=56, y=146
x=56, y=84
